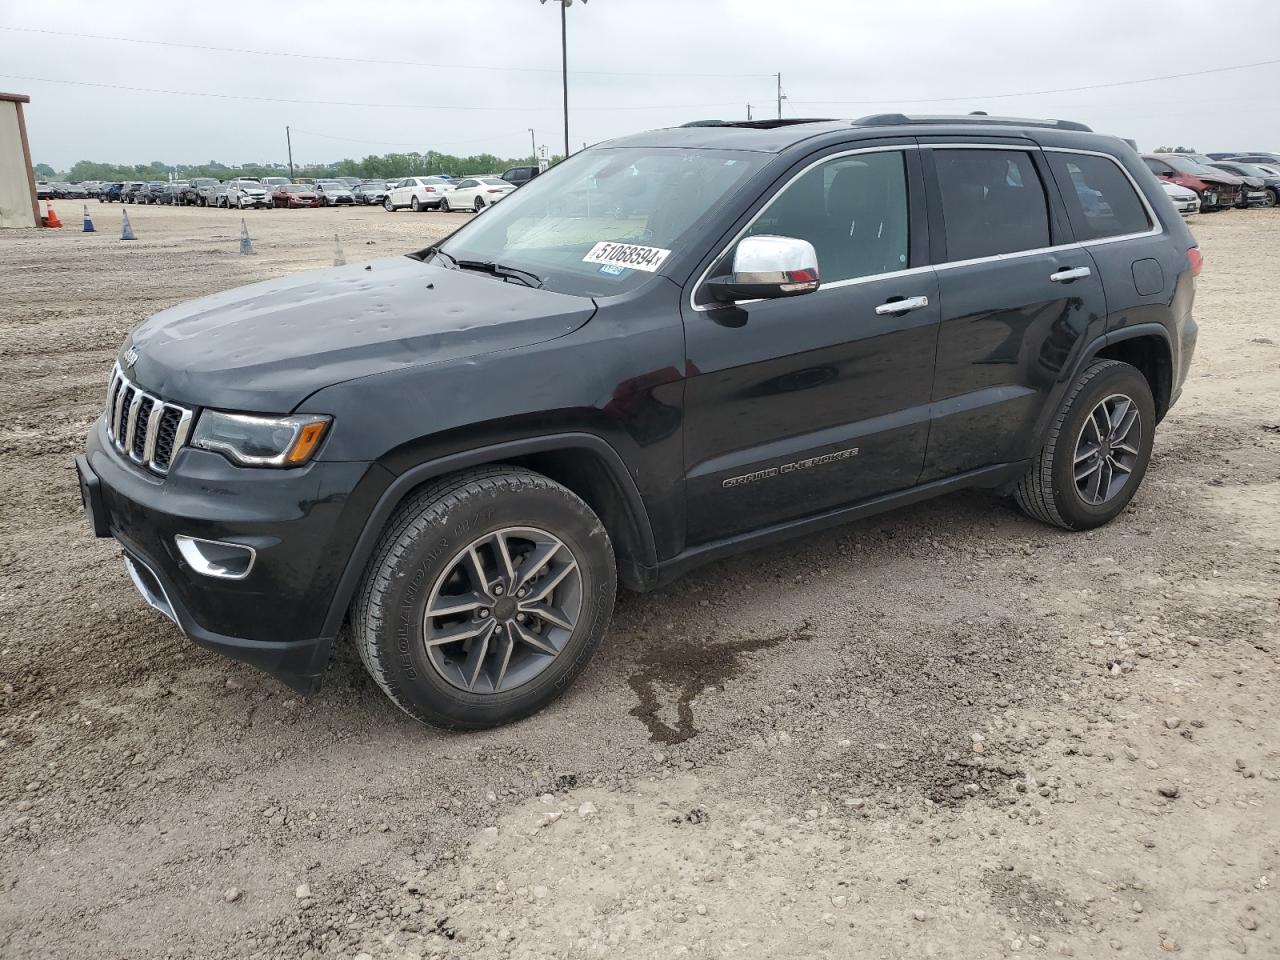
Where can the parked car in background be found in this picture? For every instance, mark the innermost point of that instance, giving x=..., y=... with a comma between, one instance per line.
x=1257, y=156
x=294, y=195
x=416, y=193
x=91, y=187
x=476, y=193
x=132, y=191
x=43, y=190
x=216, y=196
x=370, y=192
x=520, y=175
x=73, y=191
x=272, y=182
x=246, y=193
x=350, y=182
x=1217, y=189
x=110, y=192
x=172, y=195
x=333, y=193
x=191, y=195
x=152, y=192
x=1269, y=184
x=1185, y=200
x=206, y=192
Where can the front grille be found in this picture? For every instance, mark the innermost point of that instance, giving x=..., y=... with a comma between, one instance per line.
x=143, y=427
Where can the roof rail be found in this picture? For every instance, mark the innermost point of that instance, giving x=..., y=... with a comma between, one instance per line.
x=901, y=119
x=756, y=124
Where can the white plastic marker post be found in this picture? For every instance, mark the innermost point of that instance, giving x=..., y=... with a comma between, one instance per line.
x=88, y=224
x=338, y=259
x=246, y=246
x=126, y=228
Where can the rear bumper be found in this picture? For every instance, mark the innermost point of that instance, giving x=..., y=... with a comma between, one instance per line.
x=303, y=525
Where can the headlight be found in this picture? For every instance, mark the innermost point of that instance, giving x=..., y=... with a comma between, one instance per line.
x=261, y=441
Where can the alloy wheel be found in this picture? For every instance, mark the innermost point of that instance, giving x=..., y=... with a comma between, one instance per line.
x=1107, y=449
x=503, y=609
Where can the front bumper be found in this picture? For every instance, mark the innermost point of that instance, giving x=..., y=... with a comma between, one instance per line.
x=302, y=523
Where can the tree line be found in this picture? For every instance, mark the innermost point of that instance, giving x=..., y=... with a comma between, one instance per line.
x=371, y=167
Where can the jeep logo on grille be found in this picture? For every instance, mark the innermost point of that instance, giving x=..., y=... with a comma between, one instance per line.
x=130, y=357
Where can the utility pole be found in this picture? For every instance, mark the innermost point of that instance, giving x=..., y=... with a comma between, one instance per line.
x=748, y=113
x=564, y=65
x=533, y=146
x=289, y=141
x=780, y=96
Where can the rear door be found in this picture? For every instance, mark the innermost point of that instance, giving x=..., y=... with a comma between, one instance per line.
x=1019, y=300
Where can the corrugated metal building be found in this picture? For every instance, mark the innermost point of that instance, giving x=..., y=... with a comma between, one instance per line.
x=18, y=204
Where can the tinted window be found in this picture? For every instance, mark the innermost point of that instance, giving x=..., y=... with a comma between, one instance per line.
x=1101, y=201
x=1156, y=167
x=852, y=209
x=992, y=201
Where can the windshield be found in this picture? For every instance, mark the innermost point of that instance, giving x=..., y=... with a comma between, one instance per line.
x=1248, y=169
x=647, y=196
x=1183, y=165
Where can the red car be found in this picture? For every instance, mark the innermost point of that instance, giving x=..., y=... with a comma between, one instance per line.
x=294, y=195
x=1218, y=190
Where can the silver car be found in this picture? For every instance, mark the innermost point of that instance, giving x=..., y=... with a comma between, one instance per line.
x=247, y=193
x=334, y=192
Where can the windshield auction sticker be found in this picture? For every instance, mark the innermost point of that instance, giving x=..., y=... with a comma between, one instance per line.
x=648, y=259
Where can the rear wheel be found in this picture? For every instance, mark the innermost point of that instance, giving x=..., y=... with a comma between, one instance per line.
x=478, y=205
x=487, y=596
x=414, y=205
x=1098, y=449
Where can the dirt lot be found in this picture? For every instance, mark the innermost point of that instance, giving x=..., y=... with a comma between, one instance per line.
x=945, y=732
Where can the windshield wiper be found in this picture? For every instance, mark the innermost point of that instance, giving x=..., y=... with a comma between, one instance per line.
x=436, y=251
x=500, y=270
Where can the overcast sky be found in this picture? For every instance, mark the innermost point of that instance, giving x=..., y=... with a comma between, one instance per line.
x=484, y=71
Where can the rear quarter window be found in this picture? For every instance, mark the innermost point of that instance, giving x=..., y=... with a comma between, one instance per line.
x=1101, y=199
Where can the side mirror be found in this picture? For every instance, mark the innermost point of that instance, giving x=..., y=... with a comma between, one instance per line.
x=767, y=267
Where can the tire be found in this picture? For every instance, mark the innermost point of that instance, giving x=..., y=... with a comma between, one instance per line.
x=1049, y=491
x=424, y=551
x=477, y=206
x=388, y=206
x=444, y=205
x=415, y=206
x=1273, y=197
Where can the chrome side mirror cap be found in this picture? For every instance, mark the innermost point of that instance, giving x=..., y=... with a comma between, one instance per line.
x=767, y=267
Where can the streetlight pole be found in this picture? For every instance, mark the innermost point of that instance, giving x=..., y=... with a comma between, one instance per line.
x=289, y=143
x=564, y=64
x=533, y=147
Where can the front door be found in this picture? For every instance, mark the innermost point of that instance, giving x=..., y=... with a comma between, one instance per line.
x=801, y=405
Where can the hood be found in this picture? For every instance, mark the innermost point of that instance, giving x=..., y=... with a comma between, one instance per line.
x=1228, y=179
x=264, y=348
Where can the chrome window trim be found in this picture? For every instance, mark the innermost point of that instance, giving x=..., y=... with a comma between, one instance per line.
x=835, y=284
x=1156, y=229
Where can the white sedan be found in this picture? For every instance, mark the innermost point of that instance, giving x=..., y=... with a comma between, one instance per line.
x=416, y=193
x=476, y=193
x=1185, y=201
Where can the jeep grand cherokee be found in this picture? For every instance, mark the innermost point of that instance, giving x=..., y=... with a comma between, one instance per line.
x=668, y=348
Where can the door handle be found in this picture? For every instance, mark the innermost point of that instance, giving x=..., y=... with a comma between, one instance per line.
x=1069, y=274
x=895, y=308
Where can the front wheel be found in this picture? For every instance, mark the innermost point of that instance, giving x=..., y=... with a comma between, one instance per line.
x=1098, y=449
x=444, y=205
x=388, y=206
x=1273, y=197
x=485, y=599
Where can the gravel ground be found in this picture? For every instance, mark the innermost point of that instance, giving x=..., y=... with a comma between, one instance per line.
x=943, y=732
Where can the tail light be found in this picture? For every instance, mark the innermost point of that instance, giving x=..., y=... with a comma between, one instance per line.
x=1197, y=260
x=496, y=190
x=431, y=189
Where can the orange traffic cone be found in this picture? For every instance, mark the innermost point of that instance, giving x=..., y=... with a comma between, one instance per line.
x=52, y=219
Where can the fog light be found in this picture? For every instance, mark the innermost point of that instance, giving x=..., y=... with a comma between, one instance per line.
x=215, y=558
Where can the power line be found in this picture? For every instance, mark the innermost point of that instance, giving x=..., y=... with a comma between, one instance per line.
x=1039, y=93
x=350, y=103
x=365, y=60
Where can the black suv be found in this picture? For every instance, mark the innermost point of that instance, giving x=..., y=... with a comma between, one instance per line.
x=521, y=175
x=668, y=348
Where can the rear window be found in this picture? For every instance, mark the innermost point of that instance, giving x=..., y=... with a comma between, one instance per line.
x=1101, y=199
x=992, y=201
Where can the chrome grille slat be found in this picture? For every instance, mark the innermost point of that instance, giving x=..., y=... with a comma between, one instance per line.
x=146, y=429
